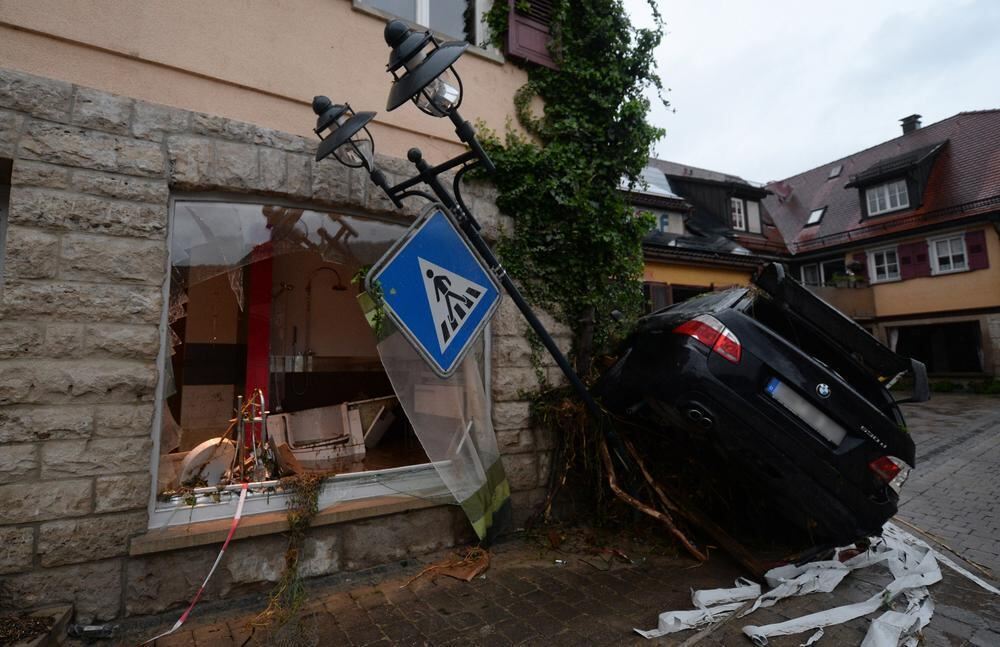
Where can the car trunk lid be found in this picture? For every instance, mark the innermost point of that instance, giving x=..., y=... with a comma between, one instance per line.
x=837, y=329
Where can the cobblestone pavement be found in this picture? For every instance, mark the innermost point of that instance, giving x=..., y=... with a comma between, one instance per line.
x=955, y=491
x=528, y=597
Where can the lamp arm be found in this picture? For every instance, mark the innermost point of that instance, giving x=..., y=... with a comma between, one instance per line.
x=414, y=193
x=467, y=134
x=378, y=178
x=457, y=190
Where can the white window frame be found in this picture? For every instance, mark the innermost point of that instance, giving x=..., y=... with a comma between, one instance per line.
x=423, y=16
x=815, y=216
x=886, y=191
x=873, y=274
x=737, y=214
x=819, y=274
x=935, y=259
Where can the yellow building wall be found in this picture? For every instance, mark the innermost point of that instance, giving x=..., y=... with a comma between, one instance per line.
x=688, y=275
x=960, y=291
x=259, y=61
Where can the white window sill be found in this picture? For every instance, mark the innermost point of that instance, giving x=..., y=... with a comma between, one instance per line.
x=418, y=483
x=214, y=532
x=881, y=281
x=883, y=213
x=946, y=272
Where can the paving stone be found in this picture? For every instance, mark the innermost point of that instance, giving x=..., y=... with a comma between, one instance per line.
x=212, y=635
x=364, y=634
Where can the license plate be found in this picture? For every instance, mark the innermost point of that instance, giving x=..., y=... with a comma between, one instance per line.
x=806, y=411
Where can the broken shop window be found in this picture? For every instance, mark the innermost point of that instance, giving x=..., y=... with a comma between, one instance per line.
x=272, y=370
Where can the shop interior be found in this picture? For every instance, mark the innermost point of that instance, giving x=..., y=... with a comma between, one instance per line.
x=272, y=368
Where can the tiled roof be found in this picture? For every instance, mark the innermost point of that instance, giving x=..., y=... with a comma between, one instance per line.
x=966, y=172
x=673, y=168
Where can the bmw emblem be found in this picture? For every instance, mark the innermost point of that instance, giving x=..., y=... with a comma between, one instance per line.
x=823, y=390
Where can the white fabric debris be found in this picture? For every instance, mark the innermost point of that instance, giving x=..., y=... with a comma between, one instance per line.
x=892, y=627
x=914, y=567
x=742, y=591
x=673, y=621
x=944, y=559
x=712, y=605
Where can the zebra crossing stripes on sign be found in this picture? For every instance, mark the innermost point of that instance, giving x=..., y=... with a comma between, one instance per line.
x=452, y=299
x=436, y=290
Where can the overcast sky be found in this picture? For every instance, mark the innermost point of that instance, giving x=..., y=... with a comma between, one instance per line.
x=767, y=89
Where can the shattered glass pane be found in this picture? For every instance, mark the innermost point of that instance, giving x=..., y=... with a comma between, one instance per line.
x=262, y=298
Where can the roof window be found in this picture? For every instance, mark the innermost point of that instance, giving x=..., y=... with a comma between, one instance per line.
x=815, y=216
x=835, y=171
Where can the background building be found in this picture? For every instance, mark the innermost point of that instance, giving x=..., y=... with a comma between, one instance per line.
x=903, y=237
x=709, y=232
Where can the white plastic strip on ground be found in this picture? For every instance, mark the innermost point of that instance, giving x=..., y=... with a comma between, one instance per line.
x=713, y=604
x=674, y=621
x=944, y=559
x=913, y=564
x=743, y=590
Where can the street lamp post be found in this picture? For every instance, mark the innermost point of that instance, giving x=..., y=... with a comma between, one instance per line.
x=423, y=72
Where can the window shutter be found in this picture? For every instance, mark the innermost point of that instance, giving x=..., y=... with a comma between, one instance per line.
x=975, y=247
x=528, y=32
x=753, y=216
x=659, y=295
x=861, y=259
x=914, y=260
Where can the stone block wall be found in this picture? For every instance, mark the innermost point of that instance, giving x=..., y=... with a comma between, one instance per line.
x=82, y=297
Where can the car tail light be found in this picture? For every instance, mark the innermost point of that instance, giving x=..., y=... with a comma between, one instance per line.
x=892, y=470
x=709, y=331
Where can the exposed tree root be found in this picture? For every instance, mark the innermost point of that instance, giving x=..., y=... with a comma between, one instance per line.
x=720, y=536
x=663, y=517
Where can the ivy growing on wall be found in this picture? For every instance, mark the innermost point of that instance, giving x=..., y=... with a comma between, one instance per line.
x=577, y=248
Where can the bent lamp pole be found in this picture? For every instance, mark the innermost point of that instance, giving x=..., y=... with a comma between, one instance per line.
x=428, y=79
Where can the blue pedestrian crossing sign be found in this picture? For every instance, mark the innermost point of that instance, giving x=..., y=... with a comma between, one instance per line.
x=437, y=291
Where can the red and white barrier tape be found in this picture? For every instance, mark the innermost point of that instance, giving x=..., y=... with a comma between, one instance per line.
x=197, y=596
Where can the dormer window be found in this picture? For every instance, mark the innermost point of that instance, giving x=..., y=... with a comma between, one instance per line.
x=739, y=215
x=895, y=183
x=890, y=196
x=745, y=215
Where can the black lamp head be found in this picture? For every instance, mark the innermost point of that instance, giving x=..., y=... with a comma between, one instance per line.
x=422, y=70
x=347, y=136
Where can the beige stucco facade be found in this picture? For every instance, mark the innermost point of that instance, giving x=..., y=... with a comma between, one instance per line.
x=675, y=274
x=256, y=62
x=944, y=293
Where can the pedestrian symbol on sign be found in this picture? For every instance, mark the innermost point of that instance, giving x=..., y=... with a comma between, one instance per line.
x=436, y=290
x=451, y=298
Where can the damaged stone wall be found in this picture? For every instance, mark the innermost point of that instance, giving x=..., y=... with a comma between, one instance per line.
x=82, y=297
